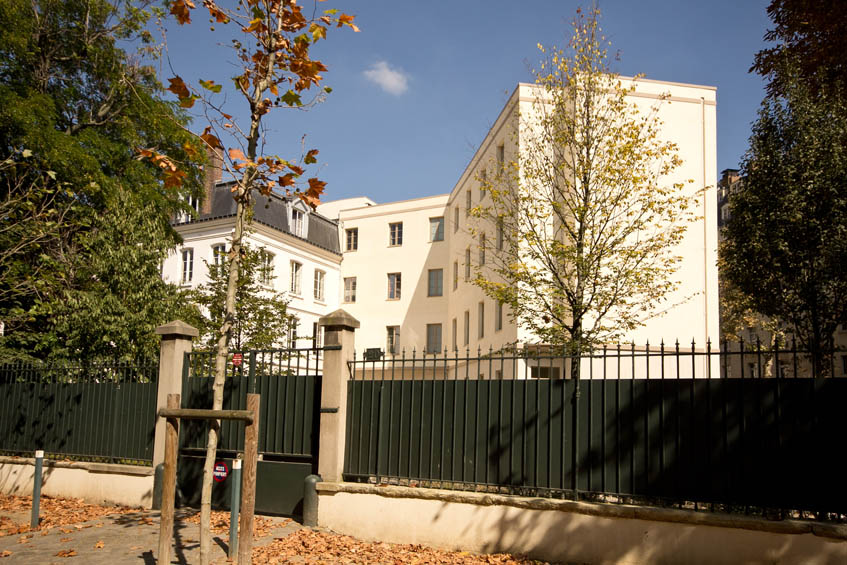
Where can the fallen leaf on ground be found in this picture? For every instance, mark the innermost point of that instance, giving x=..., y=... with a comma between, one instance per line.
x=99, y=545
x=66, y=530
x=135, y=547
x=5, y=553
x=66, y=553
x=24, y=539
x=54, y=512
x=219, y=523
x=65, y=540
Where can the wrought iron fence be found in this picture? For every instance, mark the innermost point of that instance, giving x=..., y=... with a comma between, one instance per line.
x=739, y=428
x=93, y=411
x=288, y=381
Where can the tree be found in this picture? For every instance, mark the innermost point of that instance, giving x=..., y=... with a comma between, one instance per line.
x=73, y=107
x=587, y=219
x=261, y=316
x=811, y=37
x=272, y=54
x=785, y=246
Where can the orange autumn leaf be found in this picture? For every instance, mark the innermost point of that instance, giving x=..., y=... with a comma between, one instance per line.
x=99, y=545
x=181, y=9
x=286, y=180
x=210, y=139
x=310, y=157
x=5, y=553
x=347, y=20
x=219, y=15
x=236, y=154
x=316, y=187
x=297, y=170
x=66, y=553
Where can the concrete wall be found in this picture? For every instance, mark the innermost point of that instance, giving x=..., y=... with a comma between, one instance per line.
x=96, y=483
x=567, y=531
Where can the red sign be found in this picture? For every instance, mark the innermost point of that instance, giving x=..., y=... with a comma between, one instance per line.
x=220, y=471
x=237, y=358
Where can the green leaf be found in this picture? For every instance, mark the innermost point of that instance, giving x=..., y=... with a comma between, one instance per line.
x=291, y=98
x=210, y=85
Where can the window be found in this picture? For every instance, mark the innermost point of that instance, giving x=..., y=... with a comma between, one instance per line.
x=498, y=316
x=455, y=336
x=266, y=267
x=436, y=229
x=467, y=264
x=320, y=276
x=317, y=335
x=482, y=249
x=433, y=338
x=498, y=374
x=218, y=256
x=455, y=275
x=481, y=315
x=395, y=234
x=483, y=181
x=468, y=203
x=499, y=241
x=187, y=265
x=292, y=332
x=296, y=271
x=501, y=155
x=467, y=327
x=392, y=341
x=435, y=285
x=352, y=239
x=544, y=372
x=394, y=286
x=298, y=222
x=193, y=202
x=349, y=289
x=456, y=219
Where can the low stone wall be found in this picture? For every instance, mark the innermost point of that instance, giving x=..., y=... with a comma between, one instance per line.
x=96, y=483
x=560, y=530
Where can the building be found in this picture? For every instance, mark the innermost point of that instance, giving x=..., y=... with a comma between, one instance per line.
x=301, y=248
x=407, y=264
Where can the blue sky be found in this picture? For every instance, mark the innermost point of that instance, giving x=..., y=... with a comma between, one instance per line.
x=415, y=92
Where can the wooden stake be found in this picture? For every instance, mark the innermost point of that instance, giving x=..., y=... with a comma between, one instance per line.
x=248, y=489
x=166, y=522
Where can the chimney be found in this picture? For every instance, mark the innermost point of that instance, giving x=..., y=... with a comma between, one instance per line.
x=214, y=173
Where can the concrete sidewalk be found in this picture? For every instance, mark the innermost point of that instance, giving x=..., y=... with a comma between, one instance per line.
x=124, y=538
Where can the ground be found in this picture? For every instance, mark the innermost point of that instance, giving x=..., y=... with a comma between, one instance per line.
x=71, y=530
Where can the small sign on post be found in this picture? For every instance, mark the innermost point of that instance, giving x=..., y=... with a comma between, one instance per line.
x=237, y=359
x=220, y=471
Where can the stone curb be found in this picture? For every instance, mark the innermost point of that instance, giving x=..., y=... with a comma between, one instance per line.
x=720, y=520
x=91, y=467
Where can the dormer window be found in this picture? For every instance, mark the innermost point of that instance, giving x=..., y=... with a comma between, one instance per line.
x=298, y=222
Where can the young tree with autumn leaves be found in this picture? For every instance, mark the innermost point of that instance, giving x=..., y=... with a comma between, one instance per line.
x=585, y=216
x=271, y=47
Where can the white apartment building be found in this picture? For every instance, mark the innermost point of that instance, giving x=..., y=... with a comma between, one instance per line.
x=407, y=265
x=300, y=245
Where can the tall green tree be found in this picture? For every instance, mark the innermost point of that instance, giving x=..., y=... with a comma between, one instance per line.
x=261, y=318
x=785, y=243
x=74, y=107
x=584, y=220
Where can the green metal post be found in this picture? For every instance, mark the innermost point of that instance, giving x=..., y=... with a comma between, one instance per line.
x=234, y=506
x=36, y=489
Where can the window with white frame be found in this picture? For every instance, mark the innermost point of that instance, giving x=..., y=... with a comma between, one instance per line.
x=392, y=341
x=187, y=265
x=433, y=338
x=436, y=229
x=296, y=276
x=320, y=276
x=317, y=335
x=395, y=234
x=467, y=264
x=352, y=239
x=298, y=222
x=467, y=328
x=218, y=256
x=349, y=289
x=266, y=267
x=456, y=218
x=394, y=286
x=435, y=282
x=481, y=316
x=292, y=331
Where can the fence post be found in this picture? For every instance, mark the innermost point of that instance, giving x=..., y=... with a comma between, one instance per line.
x=339, y=330
x=176, y=342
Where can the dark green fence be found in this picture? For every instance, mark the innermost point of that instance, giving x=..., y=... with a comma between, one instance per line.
x=289, y=384
x=764, y=445
x=98, y=411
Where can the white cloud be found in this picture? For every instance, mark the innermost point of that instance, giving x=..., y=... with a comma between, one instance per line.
x=391, y=80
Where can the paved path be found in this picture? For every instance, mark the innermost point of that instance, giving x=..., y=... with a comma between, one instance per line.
x=126, y=538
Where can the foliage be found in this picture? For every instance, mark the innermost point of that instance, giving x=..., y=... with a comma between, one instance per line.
x=271, y=46
x=586, y=214
x=260, y=320
x=73, y=106
x=811, y=37
x=785, y=242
